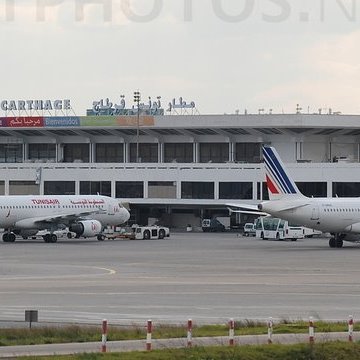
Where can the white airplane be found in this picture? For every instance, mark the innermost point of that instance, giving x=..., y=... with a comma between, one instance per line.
x=338, y=216
x=84, y=215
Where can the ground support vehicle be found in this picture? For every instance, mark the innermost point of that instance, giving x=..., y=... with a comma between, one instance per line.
x=212, y=225
x=249, y=229
x=151, y=232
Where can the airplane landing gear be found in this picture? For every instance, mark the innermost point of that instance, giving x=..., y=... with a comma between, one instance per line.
x=50, y=238
x=8, y=237
x=336, y=241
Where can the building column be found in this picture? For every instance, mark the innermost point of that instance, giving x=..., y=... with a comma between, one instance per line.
x=126, y=152
x=160, y=152
x=232, y=151
x=255, y=192
x=77, y=187
x=298, y=150
x=41, y=187
x=25, y=152
x=178, y=190
x=196, y=152
x=329, y=189
x=216, y=190
x=113, y=188
x=59, y=153
x=92, y=153
x=146, y=189
x=7, y=187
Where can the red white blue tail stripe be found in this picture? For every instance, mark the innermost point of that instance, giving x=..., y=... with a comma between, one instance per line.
x=278, y=181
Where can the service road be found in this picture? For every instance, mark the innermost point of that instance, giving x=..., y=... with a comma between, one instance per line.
x=207, y=277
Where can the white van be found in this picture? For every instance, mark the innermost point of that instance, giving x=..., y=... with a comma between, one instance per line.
x=249, y=229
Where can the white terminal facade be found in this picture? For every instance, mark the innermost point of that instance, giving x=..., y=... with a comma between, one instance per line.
x=177, y=168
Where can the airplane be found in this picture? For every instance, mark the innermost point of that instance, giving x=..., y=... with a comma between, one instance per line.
x=338, y=216
x=84, y=215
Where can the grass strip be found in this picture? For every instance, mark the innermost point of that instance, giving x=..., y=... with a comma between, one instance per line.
x=75, y=333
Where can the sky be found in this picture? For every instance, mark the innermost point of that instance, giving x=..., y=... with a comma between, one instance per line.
x=225, y=55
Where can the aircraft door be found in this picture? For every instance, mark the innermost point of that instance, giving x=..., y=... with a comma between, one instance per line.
x=315, y=213
x=111, y=209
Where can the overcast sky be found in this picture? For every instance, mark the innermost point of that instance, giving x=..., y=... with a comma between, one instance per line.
x=225, y=55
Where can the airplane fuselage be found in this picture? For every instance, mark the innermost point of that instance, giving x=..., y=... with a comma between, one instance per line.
x=16, y=210
x=335, y=215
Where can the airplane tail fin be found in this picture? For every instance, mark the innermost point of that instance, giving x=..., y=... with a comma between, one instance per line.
x=279, y=183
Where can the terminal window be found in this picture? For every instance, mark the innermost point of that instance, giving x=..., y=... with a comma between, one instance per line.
x=148, y=153
x=197, y=190
x=129, y=189
x=248, y=152
x=11, y=153
x=59, y=188
x=346, y=189
x=95, y=187
x=214, y=152
x=42, y=152
x=178, y=152
x=162, y=190
x=107, y=153
x=76, y=153
x=313, y=189
x=23, y=187
x=235, y=190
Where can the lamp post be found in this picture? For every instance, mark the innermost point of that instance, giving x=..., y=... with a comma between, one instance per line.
x=137, y=98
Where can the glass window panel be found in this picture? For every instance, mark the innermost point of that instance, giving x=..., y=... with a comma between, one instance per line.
x=178, y=152
x=109, y=153
x=346, y=189
x=59, y=188
x=42, y=151
x=235, y=190
x=197, y=190
x=95, y=187
x=214, y=152
x=148, y=153
x=76, y=153
x=248, y=152
x=129, y=189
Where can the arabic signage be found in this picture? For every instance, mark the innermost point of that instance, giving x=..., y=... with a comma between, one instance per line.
x=22, y=121
x=106, y=107
x=75, y=121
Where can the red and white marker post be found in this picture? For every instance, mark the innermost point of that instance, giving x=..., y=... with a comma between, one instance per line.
x=231, y=332
x=351, y=327
x=270, y=324
x=189, y=333
x=104, y=335
x=148, y=335
x=311, y=331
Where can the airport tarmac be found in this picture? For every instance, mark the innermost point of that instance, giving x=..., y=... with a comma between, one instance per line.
x=207, y=277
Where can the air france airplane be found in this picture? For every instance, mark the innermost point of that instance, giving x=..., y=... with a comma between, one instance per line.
x=338, y=216
x=84, y=215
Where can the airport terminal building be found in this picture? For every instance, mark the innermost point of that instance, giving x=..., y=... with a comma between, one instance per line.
x=179, y=167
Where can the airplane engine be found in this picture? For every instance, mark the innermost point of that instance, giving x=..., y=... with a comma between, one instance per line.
x=86, y=228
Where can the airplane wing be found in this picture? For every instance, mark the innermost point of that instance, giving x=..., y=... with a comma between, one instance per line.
x=254, y=209
x=245, y=209
x=44, y=221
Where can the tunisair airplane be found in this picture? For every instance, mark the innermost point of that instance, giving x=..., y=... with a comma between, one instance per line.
x=84, y=215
